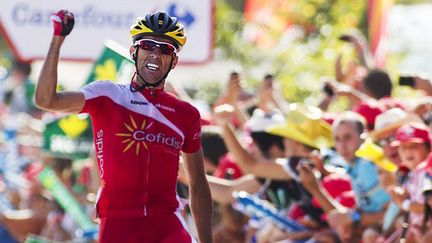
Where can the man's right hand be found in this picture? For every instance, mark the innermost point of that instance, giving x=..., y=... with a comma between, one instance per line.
x=63, y=22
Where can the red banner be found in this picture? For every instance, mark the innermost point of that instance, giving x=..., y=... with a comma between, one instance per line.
x=377, y=29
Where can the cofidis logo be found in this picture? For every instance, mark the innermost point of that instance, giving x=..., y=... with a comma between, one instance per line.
x=137, y=137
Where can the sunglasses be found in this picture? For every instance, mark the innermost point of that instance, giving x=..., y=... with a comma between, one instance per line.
x=150, y=45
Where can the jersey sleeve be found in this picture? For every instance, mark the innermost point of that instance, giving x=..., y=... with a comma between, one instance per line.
x=192, y=140
x=93, y=93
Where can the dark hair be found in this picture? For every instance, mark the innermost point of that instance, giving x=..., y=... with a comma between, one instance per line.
x=378, y=83
x=212, y=144
x=269, y=76
x=234, y=74
x=61, y=164
x=23, y=67
x=427, y=210
x=265, y=141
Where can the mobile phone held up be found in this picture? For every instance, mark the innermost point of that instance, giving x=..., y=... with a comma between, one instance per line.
x=407, y=81
x=328, y=90
x=346, y=38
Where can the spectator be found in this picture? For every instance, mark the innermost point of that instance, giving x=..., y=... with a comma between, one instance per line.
x=427, y=218
x=414, y=145
x=264, y=145
x=19, y=90
x=213, y=147
x=385, y=127
x=303, y=132
x=371, y=199
x=234, y=94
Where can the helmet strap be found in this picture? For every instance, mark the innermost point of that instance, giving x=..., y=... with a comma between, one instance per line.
x=145, y=83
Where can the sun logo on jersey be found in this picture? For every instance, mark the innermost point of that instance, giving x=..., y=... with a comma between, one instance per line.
x=135, y=136
x=139, y=136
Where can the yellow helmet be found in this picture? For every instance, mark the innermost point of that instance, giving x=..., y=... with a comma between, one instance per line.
x=159, y=24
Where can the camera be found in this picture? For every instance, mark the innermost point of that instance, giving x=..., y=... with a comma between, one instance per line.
x=292, y=164
x=407, y=81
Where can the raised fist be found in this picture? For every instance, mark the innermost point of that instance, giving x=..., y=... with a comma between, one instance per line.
x=63, y=22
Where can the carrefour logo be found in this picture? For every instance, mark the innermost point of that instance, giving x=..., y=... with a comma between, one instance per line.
x=137, y=137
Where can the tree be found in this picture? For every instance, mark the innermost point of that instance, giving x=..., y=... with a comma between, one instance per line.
x=302, y=52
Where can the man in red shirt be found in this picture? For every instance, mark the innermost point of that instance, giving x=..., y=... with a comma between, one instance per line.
x=139, y=133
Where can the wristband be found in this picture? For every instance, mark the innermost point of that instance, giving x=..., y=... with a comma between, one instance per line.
x=356, y=217
x=406, y=205
x=60, y=28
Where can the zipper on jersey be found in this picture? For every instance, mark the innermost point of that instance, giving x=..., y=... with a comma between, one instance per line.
x=146, y=180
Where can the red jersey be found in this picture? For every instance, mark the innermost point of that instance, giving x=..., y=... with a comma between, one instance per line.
x=138, y=137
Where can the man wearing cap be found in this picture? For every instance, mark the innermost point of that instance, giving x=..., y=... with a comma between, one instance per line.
x=414, y=145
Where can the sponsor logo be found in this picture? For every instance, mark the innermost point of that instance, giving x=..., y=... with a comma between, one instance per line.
x=99, y=151
x=196, y=136
x=137, y=137
x=163, y=107
x=137, y=102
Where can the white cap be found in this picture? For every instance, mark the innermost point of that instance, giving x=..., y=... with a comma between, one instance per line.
x=260, y=120
x=391, y=120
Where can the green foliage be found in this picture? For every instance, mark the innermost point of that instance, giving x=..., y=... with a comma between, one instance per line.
x=229, y=24
x=208, y=92
x=409, y=1
x=301, y=54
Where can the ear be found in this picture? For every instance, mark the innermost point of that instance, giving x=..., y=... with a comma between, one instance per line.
x=132, y=52
x=175, y=60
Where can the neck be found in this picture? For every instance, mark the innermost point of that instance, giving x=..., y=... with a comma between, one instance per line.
x=140, y=82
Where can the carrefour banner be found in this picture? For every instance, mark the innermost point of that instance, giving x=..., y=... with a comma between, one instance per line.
x=27, y=26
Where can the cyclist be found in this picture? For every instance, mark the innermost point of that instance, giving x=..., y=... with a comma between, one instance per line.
x=139, y=133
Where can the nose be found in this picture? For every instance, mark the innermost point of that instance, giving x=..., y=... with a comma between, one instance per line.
x=156, y=53
x=157, y=48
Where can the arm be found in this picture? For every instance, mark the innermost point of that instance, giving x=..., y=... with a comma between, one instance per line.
x=232, y=219
x=222, y=189
x=200, y=198
x=424, y=84
x=354, y=95
x=247, y=162
x=308, y=180
x=46, y=96
x=22, y=222
x=337, y=218
x=372, y=218
x=399, y=195
x=363, y=53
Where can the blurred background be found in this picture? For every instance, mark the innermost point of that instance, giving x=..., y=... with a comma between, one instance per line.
x=295, y=40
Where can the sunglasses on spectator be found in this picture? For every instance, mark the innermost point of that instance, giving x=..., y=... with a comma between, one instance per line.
x=150, y=45
x=386, y=141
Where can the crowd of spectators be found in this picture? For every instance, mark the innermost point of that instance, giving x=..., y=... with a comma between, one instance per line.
x=363, y=174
